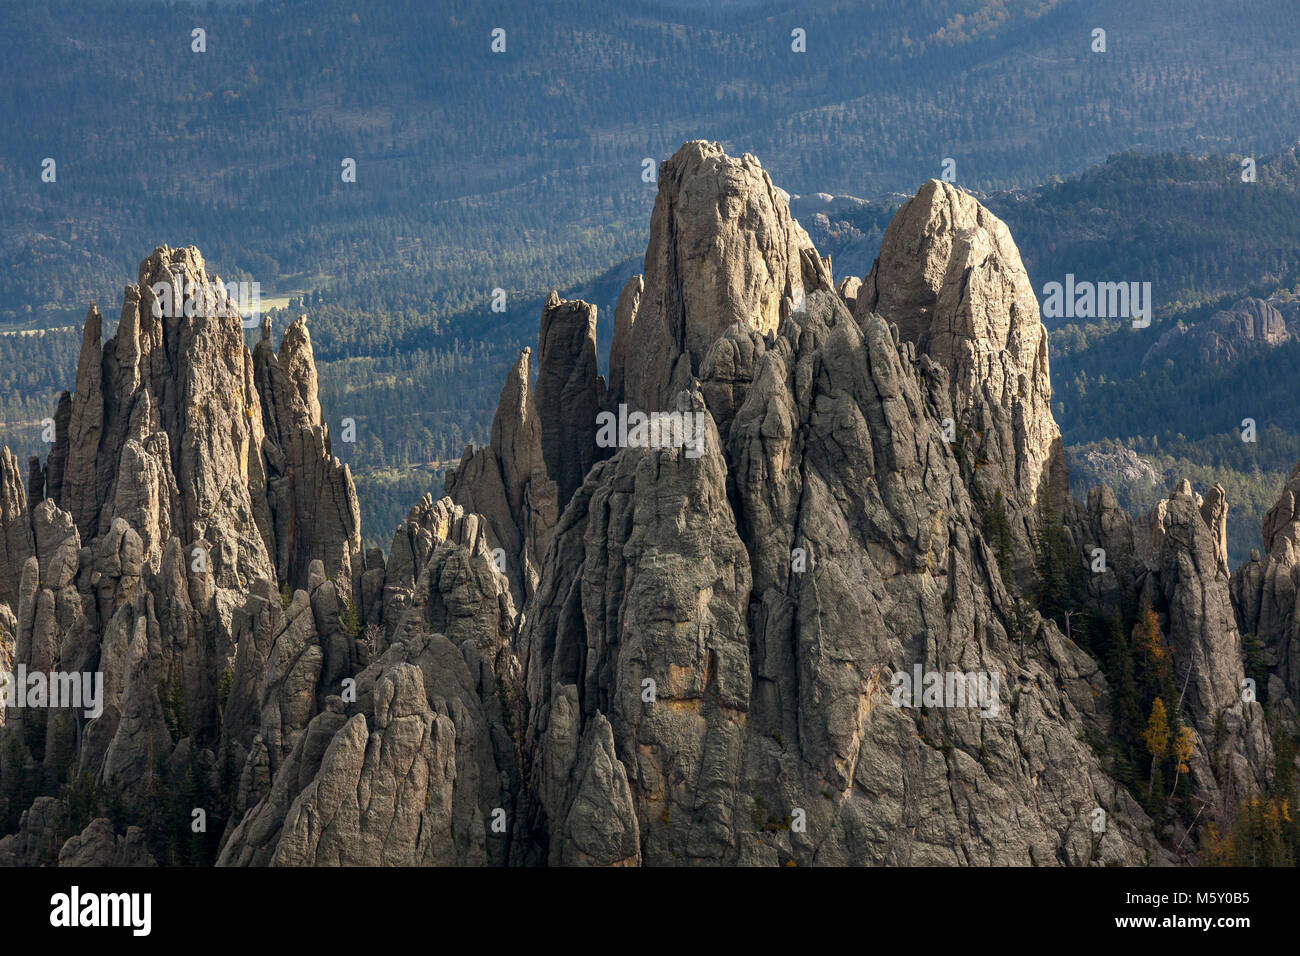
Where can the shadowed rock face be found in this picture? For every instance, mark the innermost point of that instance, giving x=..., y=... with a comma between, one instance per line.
x=1264, y=596
x=313, y=505
x=569, y=392
x=728, y=625
x=1099, y=523
x=629, y=303
x=666, y=653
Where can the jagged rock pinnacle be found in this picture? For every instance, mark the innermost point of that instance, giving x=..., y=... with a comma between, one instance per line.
x=723, y=249
x=950, y=278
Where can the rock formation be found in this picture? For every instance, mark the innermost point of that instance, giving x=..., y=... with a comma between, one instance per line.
x=569, y=392
x=799, y=630
x=1103, y=538
x=419, y=764
x=629, y=302
x=723, y=249
x=1250, y=325
x=1094, y=467
x=1189, y=583
x=15, y=530
x=771, y=699
x=313, y=505
x=145, y=554
x=741, y=613
x=508, y=484
x=950, y=278
x=1264, y=595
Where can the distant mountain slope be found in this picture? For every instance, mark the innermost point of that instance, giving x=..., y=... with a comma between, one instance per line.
x=525, y=171
x=471, y=164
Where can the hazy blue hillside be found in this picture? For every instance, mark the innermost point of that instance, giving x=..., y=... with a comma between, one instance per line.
x=524, y=170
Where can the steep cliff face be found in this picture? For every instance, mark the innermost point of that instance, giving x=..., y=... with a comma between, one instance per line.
x=788, y=623
x=1189, y=582
x=723, y=249
x=1264, y=595
x=710, y=652
x=950, y=278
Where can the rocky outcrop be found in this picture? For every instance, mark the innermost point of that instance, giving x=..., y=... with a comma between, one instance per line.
x=177, y=429
x=1264, y=595
x=569, y=392
x=723, y=250
x=1188, y=583
x=313, y=505
x=742, y=612
x=1250, y=325
x=8, y=650
x=1214, y=511
x=950, y=278
x=98, y=845
x=1094, y=467
x=507, y=484
x=35, y=843
x=174, y=383
x=412, y=761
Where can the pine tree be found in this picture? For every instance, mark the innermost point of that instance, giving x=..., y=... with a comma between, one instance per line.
x=1128, y=705
x=1051, y=565
x=999, y=532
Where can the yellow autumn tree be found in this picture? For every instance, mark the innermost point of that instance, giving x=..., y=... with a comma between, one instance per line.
x=1156, y=737
x=1146, y=636
x=1260, y=836
x=1184, y=747
x=1220, y=850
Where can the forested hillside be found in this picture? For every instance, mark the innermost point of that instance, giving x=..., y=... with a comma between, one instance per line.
x=525, y=170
